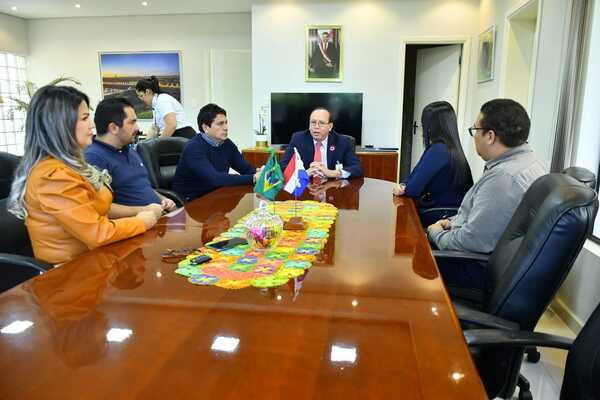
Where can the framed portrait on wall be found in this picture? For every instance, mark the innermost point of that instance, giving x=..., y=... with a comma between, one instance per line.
x=485, y=55
x=120, y=71
x=323, y=54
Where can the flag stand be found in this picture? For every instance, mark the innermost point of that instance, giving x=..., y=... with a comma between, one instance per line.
x=293, y=173
x=295, y=223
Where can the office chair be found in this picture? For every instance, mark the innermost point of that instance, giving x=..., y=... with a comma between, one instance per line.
x=16, y=255
x=351, y=139
x=524, y=272
x=582, y=370
x=588, y=178
x=161, y=156
x=431, y=215
x=8, y=165
x=583, y=175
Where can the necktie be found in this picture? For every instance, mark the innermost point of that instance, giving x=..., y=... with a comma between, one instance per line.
x=317, y=158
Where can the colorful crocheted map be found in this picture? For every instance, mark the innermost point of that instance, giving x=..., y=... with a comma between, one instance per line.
x=242, y=266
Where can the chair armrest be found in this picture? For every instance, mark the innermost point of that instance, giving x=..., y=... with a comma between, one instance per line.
x=22, y=261
x=479, y=318
x=503, y=338
x=450, y=211
x=176, y=197
x=461, y=255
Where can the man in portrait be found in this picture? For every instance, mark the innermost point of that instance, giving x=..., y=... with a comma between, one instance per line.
x=325, y=55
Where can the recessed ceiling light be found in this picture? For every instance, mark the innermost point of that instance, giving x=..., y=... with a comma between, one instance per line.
x=14, y=8
x=77, y=5
x=144, y=3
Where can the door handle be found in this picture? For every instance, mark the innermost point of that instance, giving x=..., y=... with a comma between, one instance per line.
x=415, y=125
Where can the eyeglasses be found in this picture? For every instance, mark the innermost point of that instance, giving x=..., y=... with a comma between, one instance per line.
x=319, y=123
x=471, y=129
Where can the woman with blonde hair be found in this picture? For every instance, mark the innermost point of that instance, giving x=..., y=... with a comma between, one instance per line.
x=65, y=201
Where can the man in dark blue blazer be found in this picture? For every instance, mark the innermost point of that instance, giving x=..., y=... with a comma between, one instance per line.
x=335, y=157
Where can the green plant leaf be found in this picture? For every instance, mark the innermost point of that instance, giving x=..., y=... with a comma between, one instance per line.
x=62, y=79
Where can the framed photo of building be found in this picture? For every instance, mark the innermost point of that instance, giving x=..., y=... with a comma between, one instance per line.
x=120, y=71
x=324, y=53
x=485, y=55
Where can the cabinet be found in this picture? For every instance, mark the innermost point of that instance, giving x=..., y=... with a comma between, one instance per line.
x=376, y=164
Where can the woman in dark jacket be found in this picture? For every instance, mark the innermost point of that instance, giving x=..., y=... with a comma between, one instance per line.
x=442, y=176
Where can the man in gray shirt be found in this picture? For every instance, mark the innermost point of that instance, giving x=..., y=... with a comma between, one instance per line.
x=500, y=134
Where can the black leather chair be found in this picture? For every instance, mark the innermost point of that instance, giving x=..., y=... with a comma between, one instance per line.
x=16, y=255
x=351, y=139
x=8, y=165
x=583, y=175
x=588, y=178
x=582, y=370
x=161, y=156
x=526, y=268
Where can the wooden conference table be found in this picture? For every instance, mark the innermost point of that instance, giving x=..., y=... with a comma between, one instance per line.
x=370, y=320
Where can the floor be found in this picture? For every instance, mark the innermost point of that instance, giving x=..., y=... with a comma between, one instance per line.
x=546, y=376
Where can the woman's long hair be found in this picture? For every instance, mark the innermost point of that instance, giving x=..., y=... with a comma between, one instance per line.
x=150, y=83
x=439, y=126
x=50, y=131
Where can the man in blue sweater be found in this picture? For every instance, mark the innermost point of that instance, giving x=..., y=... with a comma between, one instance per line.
x=205, y=162
x=116, y=126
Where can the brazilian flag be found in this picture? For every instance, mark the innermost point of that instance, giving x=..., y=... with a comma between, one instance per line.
x=270, y=181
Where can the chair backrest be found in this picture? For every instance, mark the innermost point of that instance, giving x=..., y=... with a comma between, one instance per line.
x=351, y=139
x=582, y=370
x=8, y=165
x=17, y=241
x=583, y=175
x=161, y=157
x=539, y=247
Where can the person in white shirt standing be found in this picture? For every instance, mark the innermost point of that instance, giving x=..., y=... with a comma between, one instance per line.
x=169, y=116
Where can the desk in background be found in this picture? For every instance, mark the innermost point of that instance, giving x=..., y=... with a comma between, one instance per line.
x=376, y=164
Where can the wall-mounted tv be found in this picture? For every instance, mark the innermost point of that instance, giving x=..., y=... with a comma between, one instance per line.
x=290, y=113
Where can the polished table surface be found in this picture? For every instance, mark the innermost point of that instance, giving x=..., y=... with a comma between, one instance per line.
x=370, y=320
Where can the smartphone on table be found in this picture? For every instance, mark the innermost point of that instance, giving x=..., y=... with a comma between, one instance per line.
x=226, y=244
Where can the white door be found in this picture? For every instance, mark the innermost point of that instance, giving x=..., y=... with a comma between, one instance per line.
x=437, y=79
x=230, y=87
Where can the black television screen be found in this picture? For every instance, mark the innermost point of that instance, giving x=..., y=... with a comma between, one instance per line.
x=290, y=113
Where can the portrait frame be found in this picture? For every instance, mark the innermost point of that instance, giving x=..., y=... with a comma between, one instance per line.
x=324, y=63
x=120, y=71
x=486, y=55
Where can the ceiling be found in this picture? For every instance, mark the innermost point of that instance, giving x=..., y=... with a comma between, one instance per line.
x=30, y=9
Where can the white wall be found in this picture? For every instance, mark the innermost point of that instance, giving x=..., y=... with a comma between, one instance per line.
x=373, y=61
x=70, y=47
x=13, y=35
x=548, y=68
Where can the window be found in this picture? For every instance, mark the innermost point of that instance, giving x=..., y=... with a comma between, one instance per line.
x=12, y=86
x=596, y=231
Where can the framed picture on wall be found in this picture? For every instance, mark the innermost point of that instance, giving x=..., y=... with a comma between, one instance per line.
x=120, y=71
x=323, y=54
x=485, y=59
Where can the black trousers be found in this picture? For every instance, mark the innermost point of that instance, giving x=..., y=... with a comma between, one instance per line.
x=187, y=132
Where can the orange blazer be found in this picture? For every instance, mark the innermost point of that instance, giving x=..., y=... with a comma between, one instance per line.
x=67, y=216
